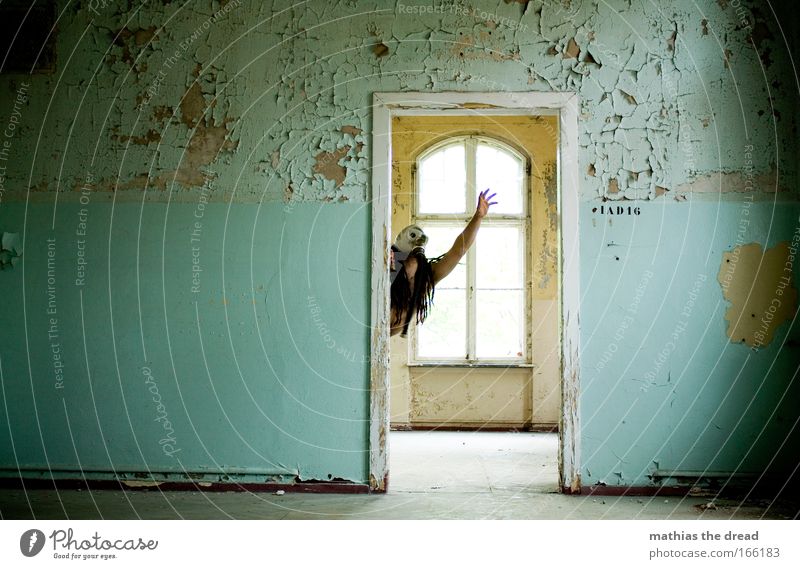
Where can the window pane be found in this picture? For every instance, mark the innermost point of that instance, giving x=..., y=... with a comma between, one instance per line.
x=499, y=333
x=442, y=181
x=499, y=258
x=440, y=239
x=503, y=173
x=444, y=333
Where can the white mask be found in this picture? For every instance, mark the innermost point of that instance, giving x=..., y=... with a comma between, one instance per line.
x=410, y=238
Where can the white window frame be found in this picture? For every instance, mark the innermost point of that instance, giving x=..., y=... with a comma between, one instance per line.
x=522, y=220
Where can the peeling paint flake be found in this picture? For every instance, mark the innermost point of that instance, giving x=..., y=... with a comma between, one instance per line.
x=327, y=165
x=351, y=130
x=477, y=106
x=760, y=287
x=380, y=49
x=572, y=50
x=193, y=106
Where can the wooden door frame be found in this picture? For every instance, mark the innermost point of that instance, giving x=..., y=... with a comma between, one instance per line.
x=565, y=106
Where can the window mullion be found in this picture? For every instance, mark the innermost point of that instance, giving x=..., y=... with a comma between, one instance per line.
x=472, y=196
x=471, y=305
x=472, y=199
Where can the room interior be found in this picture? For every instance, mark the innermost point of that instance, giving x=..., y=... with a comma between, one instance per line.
x=197, y=206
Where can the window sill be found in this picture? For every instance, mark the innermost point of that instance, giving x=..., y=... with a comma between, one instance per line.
x=472, y=365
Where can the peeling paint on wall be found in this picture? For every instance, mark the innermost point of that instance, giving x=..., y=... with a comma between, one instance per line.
x=10, y=250
x=734, y=182
x=650, y=110
x=327, y=164
x=458, y=397
x=263, y=103
x=759, y=285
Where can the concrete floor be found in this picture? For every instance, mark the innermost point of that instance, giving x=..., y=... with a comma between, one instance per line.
x=434, y=475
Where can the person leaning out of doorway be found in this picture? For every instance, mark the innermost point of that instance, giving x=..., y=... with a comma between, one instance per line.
x=412, y=290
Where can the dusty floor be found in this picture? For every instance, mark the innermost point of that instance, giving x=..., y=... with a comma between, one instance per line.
x=434, y=475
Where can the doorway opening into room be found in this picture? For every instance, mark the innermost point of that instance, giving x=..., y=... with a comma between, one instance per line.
x=486, y=359
x=474, y=397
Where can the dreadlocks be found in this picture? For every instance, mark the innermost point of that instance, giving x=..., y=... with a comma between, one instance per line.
x=406, y=302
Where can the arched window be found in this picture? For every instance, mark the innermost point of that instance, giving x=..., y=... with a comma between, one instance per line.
x=480, y=309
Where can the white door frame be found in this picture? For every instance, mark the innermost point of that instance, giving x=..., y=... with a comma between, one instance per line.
x=565, y=106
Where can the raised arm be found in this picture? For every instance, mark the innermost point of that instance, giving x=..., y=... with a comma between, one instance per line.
x=463, y=242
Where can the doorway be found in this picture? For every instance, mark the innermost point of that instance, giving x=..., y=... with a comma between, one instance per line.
x=487, y=356
x=520, y=389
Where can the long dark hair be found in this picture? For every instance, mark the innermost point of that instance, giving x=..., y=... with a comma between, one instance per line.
x=417, y=301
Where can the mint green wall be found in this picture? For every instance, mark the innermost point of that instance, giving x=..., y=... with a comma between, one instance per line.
x=663, y=387
x=258, y=115
x=246, y=376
